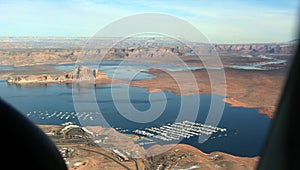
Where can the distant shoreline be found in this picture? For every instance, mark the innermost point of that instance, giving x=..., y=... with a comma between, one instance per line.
x=159, y=84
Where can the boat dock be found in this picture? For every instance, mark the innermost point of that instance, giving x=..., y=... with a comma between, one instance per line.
x=62, y=115
x=178, y=130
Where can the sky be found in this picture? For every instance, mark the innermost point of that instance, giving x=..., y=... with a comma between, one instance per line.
x=220, y=21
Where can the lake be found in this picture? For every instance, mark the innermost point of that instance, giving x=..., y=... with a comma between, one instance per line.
x=246, y=129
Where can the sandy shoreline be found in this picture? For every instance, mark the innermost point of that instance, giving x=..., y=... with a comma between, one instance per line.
x=244, y=88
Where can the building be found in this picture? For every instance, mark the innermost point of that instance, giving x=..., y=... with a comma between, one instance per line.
x=120, y=155
x=73, y=132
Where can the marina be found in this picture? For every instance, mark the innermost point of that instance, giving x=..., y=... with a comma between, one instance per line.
x=178, y=131
x=149, y=135
x=169, y=132
x=62, y=115
x=52, y=105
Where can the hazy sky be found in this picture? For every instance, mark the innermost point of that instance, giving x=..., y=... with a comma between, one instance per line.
x=221, y=21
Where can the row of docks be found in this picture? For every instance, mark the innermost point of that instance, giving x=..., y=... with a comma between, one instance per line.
x=145, y=141
x=178, y=130
x=121, y=130
x=63, y=115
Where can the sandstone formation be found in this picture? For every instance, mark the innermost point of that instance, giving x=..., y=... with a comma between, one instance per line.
x=59, y=51
x=244, y=87
x=271, y=48
x=80, y=73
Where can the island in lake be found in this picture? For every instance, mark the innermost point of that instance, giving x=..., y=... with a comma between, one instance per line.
x=79, y=74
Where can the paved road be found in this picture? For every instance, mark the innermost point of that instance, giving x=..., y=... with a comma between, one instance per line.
x=109, y=157
x=136, y=164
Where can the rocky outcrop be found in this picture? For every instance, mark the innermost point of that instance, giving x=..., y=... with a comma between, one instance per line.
x=85, y=73
x=268, y=48
x=80, y=73
x=30, y=79
x=64, y=51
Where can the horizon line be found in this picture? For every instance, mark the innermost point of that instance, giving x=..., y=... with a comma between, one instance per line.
x=87, y=37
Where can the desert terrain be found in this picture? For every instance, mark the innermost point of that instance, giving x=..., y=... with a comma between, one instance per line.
x=251, y=89
x=80, y=152
x=25, y=61
x=258, y=88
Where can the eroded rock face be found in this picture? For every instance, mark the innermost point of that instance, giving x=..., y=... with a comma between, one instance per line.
x=80, y=73
x=30, y=78
x=85, y=73
x=261, y=48
x=60, y=54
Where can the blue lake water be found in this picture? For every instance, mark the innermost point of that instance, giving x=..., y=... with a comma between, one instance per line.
x=4, y=67
x=8, y=68
x=261, y=65
x=246, y=129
